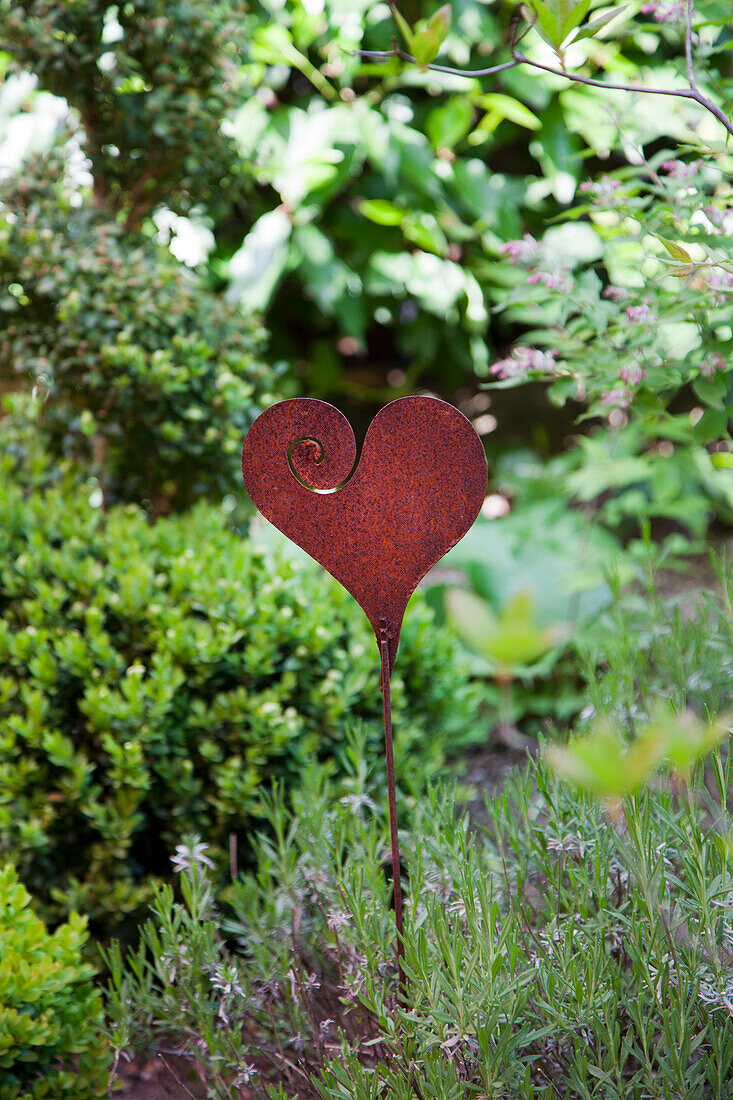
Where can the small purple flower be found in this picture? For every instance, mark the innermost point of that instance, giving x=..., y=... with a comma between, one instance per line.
x=245, y=1075
x=642, y=314
x=632, y=374
x=553, y=280
x=615, y=399
x=678, y=170
x=615, y=293
x=602, y=190
x=521, y=252
x=720, y=281
x=665, y=12
x=190, y=855
x=710, y=367
x=226, y=980
x=523, y=360
x=719, y=217
x=337, y=919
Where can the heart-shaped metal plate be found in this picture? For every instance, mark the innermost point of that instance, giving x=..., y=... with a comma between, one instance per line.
x=377, y=527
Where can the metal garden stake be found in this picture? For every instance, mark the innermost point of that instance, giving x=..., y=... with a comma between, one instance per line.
x=378, y=526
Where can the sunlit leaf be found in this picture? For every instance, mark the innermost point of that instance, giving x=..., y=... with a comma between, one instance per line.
x=381, y=211
x=256, y=268
x=546, y=23
x=510, y=639
x=676, y=251
x=595, y=25
x=506, y=107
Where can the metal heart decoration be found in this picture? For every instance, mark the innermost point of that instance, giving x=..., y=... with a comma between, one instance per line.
x=377, y=527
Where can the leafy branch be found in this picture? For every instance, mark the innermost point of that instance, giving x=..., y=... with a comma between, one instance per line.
x=424, y=43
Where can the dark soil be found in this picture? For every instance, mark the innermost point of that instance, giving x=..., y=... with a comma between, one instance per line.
x=162, y=1077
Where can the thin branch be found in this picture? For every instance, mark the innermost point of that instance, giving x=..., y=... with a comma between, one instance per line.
x=679, y=93
x=383, y=54
x=518, y=58
x=688, y=46
x=682, y=93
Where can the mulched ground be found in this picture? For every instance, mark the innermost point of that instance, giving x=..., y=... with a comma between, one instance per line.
x=164, y=1077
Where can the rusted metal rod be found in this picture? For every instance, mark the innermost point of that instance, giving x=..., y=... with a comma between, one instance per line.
x=392, y=799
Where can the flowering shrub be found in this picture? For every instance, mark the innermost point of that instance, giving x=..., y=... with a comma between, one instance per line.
x=641, y=335
x=150, y=82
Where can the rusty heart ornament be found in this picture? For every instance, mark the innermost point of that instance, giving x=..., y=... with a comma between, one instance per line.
x=377, y=525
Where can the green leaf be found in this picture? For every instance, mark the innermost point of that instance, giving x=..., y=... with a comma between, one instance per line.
x=557, y=18
x=425, y=46
x=499, y=107
x=722, y=460
x=423, y=230
x=509, y=639
x=450, y=122
x=257, y=266
x=546, y=23
x=574, y=16
x=711, y=391
x=607, y=766
x=592, y=28
x=439, y=23
x=711, y=425
x=600, y=765
x=682, y=272
x=405, y=29
x=430, y=34
x=381, y=211
x=676, y=251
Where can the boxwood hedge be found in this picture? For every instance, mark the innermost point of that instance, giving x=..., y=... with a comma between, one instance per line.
x=155, y=678
x=50, y=1014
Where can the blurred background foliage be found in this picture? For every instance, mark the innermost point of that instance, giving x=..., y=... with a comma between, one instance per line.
x=205, y=207
x=366, y=208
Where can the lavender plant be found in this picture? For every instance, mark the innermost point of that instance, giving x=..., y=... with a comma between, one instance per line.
x=560, y=954
x=646, y=649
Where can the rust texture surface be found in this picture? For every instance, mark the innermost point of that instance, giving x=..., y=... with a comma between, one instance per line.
x=378, y=526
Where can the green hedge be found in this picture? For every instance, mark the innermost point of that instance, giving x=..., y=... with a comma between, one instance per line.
x=50, y=1013
x=146, y=376
x=155, y=678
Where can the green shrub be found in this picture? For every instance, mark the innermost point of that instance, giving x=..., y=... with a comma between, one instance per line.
x=150, y=82
x=565, y=955
x=50, y=1014
x=156, y=677
x=147, y=376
